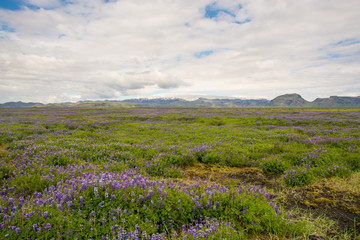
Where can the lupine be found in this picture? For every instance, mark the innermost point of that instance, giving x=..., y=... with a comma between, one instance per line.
x=59, y=207
x=47, y=227
x=81, y=201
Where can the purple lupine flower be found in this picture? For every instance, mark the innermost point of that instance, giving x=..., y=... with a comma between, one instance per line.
x=150, y=194
x=144, y=236
x=59, y=207
x=21, y=202
x=81, y=200
x=11, y=202
x=47, y=227
x=208, y=204
x=136, y=233
x=183, y=228
x=124, y=235
x=35, y=227
x=46, y=215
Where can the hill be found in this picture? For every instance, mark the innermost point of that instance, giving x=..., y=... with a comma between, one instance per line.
x=337, y=102
x=19, y=104
x=289, y=100
x=293, y=100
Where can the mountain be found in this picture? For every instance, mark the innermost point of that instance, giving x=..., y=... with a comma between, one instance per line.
x=295, y=100
x=201, y=102
x=287, y=100
x=337, y=102
x=19, y=104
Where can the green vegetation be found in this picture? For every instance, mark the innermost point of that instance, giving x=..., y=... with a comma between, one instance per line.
x=174, y=173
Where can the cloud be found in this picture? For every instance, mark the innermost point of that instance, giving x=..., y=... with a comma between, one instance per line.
x=43, y=3
x=94, y=49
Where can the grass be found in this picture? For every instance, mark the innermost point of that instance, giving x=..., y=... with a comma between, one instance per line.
x=227, y=173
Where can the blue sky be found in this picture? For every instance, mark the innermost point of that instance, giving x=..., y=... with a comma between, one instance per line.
x=59, y=51
x=10, y=4
x=16, y=5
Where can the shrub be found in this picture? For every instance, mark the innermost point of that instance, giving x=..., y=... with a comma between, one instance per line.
x=58, y=160
x=274, y=165
x=299, y=176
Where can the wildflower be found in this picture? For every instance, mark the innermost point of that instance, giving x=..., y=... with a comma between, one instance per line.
x=47, y=227
x=59, y=207
x=123, y=235
x=112, y=229
x=81, y=200
x=11, y=202
x=144, y=236
x=183, y=228
x=96, y=192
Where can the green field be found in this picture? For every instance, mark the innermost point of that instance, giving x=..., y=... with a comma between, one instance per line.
x=179, y=173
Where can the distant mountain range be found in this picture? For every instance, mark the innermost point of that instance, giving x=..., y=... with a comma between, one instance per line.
x=288, y=100
x=295, y=100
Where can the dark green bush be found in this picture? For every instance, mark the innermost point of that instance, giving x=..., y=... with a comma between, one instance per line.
x=274, y=165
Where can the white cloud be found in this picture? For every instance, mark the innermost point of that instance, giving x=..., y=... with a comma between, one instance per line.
x=110, y=50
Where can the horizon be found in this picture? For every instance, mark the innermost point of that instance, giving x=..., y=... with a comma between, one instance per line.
x=55, y=51
x=189, y=98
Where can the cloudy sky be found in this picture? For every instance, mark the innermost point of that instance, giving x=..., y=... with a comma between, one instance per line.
x=70, y=50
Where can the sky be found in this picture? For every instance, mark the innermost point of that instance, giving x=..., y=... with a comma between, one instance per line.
x=72, y=50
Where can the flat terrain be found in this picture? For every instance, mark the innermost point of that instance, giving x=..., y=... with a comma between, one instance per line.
x=179, y=173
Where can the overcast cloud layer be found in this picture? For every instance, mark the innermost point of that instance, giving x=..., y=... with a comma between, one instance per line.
x=56, y=51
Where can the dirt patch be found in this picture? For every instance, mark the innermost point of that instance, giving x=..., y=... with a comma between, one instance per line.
x=3, y=149
x=224, y=174
x=335, y=204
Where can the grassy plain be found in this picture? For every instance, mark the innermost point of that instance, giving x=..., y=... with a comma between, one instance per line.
x=179, y=173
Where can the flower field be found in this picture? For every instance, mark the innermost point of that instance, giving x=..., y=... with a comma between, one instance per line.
x=179, y=173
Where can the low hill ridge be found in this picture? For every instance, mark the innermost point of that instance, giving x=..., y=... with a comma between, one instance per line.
x=292, y=100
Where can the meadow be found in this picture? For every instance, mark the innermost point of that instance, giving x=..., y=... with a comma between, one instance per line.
x=179, y=173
